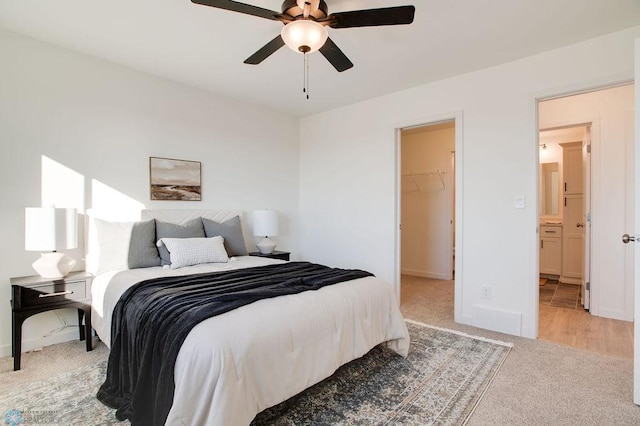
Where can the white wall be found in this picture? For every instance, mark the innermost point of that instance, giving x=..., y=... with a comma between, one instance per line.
x=348, y=214
x=611, y=111
x=426, y=207
x=96, y=124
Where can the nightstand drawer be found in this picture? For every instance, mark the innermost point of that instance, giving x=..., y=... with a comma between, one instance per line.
x=52, y=293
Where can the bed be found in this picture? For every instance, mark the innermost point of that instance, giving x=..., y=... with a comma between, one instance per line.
x=232, y=366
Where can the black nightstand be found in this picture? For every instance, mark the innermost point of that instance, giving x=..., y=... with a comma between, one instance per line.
x=282, y=255
x=34, y=294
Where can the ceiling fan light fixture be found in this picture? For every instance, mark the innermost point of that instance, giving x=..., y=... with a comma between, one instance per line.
x=304, y=35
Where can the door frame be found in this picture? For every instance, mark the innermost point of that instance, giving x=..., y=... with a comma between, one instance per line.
x=594, y=122
x=457, y=118
x=587, y=155
x=636, y=259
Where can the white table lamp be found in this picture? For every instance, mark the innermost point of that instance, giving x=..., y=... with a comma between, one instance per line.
x=48, y=229
x=265, y=224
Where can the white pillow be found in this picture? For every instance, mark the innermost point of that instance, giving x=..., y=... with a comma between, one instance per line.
x=193, y=251
x=113, y=245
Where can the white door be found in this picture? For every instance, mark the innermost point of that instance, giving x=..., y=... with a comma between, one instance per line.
x=586, y=169
x=636, y=279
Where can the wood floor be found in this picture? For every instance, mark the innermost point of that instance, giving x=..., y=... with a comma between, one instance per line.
x=561, y=318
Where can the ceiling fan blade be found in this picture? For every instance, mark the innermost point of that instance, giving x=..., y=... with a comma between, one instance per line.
x=372, y=17
x=335, y=56
x=247, y=9
x=265, y=51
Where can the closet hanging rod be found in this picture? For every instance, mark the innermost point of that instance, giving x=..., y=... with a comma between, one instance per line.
x=429, y=172
x=424, y=172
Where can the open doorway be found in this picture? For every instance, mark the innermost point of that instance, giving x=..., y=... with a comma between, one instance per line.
x=585, y=203
x=427, y=215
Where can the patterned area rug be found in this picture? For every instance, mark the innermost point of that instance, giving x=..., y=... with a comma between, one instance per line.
x=440, y=382
x=68, y=399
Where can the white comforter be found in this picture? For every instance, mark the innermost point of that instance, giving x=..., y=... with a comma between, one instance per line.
x=234, y=365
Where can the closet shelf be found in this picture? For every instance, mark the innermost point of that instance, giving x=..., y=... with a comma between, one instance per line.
x=425, y=173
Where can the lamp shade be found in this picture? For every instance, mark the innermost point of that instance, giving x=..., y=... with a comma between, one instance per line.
x=304, y=35
x=265, y=223
x=50, y=229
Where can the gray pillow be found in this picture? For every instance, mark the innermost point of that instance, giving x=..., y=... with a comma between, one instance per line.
x=143, y=252
x=191, y=229
x=231, y=231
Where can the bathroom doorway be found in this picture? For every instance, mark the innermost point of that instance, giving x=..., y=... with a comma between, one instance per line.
x=565, y=182
x=587, y=299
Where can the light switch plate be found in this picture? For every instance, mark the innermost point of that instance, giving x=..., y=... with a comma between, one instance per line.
x=520, y=202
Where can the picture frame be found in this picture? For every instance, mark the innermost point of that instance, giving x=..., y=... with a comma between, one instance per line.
x=175, y=180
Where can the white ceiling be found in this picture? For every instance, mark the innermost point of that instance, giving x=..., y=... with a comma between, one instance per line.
x=205, y=47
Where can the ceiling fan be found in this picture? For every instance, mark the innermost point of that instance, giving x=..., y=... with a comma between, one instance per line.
x=305, y=23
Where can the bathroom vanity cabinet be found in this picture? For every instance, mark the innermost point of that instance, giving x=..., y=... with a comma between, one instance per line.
x=551, y=249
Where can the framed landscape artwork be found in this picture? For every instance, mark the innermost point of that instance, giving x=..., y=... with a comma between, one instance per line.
x=175, y=179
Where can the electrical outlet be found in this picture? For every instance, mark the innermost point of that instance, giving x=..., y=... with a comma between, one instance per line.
x=486, y=292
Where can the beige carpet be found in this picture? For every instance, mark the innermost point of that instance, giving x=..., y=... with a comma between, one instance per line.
x=540, y=383
x=52, y=360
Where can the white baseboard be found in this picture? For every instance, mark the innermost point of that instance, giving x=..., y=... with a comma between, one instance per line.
x=497, y=320
x=613, y=314
x=425, y=274
x=41, y=342
x=550, y=277
x=570, y=280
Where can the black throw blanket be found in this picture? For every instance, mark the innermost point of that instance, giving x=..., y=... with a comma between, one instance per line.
x=152, y=319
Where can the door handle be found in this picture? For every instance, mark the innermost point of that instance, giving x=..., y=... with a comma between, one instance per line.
x=579, y=225
x=626, y=238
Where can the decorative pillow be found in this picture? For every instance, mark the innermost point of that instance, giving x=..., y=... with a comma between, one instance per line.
x=143, y=252
x=126, y=245
x=231, y=231
x=191, y=229
x=194, y=251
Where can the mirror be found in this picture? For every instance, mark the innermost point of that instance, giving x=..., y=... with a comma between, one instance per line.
x=549, y=189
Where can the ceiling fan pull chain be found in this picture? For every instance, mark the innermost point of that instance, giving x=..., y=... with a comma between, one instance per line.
x=305, y=89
